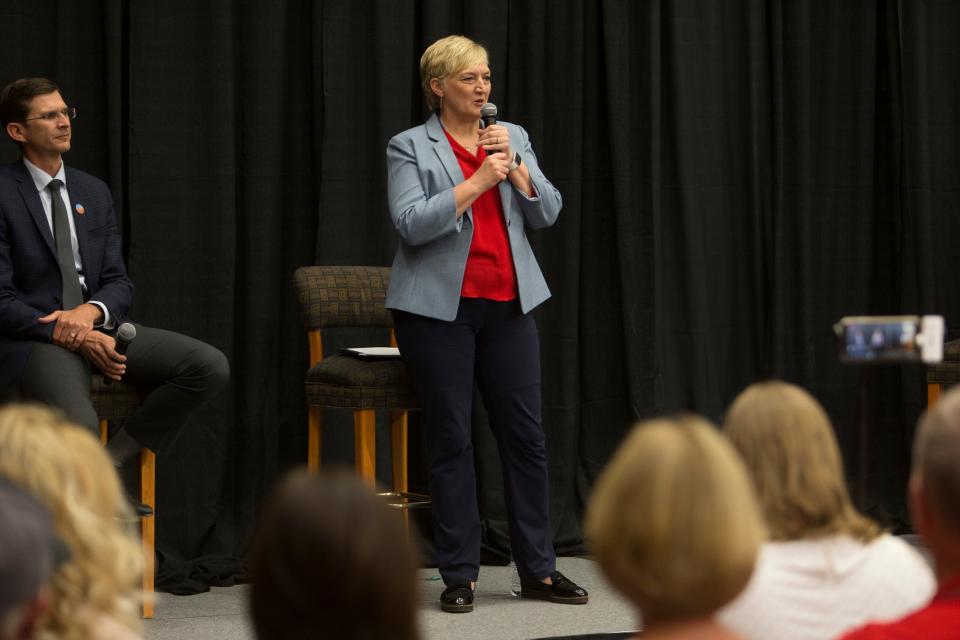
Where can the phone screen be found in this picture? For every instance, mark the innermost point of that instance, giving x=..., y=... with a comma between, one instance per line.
x=880, y=341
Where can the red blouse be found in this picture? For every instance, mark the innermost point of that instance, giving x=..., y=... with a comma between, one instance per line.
x=489, y=273
x=938, y=620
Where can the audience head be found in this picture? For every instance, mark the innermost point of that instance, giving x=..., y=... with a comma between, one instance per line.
x=787, y=443
x=26, y=562
x=330, y=558
x=65, y=468
x=673, y=521
x=935, y=480
x=444, y=58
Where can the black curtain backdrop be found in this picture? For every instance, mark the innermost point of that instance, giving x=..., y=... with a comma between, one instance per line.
x=736, y=176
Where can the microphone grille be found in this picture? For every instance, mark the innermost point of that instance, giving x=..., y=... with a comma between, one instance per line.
x=488, y=110
x=126, y=332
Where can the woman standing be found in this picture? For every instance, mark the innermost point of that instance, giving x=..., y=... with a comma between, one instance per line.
x=463, y=284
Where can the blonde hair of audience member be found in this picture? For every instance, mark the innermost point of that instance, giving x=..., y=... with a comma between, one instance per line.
x=787, y=443
x=331, y=559
x=445, y=57
x=65, y=468
x=673, y=521
x=935, y=482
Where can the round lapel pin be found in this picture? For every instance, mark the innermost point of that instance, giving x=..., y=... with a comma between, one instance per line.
x=80, y=209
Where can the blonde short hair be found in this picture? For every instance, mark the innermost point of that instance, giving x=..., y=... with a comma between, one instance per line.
x=65, y=468
x=786, y=440
x=446, y=57
x=673, y=521
x=936, y=452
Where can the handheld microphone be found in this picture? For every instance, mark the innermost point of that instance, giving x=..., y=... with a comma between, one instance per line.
x=126, y=332
x=488, y=113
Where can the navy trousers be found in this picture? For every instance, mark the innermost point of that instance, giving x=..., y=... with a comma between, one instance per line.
x=495, y=345
x=177, y=372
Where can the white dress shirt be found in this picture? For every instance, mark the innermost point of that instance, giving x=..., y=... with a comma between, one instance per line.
x=41, y=179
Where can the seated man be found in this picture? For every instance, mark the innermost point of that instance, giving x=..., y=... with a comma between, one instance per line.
x=64, y=289
x=935, y=507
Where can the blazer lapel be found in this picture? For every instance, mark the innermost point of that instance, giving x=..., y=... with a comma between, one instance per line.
x=445, y=154
x=443, y=149
x=28, y=191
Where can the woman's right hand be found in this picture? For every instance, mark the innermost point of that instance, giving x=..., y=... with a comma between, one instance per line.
x=492, y=172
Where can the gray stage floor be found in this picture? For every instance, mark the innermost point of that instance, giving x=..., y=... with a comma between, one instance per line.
x=221, y=613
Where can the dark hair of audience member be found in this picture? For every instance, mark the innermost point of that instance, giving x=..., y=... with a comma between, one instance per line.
x=331, y=559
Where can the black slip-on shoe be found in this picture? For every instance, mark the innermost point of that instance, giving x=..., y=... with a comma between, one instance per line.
x=457, y=598
x=142, y=509
x=563, y=590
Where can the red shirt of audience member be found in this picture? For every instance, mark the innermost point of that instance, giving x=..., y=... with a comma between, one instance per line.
x=489, y=272
x=939, y=620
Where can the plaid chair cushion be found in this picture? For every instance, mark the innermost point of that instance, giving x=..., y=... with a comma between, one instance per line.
x=116, y=400
x=352, y=383
x=947, y=373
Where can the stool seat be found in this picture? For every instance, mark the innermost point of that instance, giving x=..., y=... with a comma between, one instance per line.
x=354, y=297
x=947, y=372
x=114, y=400
x=944, y=374
x=352, y=383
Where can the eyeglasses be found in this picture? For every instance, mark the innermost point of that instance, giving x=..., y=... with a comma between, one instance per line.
x=70, y=113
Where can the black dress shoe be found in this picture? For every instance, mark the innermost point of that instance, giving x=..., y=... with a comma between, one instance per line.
x=457, y=598
x=563, y=590
x=142, y=509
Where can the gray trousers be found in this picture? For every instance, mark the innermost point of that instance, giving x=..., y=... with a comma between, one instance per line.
x=177, y=373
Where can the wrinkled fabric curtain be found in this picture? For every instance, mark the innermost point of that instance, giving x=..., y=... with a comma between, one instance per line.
x=736, y=176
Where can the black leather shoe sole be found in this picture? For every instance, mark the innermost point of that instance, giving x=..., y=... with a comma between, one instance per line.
x=550, y=596
x=456, y=608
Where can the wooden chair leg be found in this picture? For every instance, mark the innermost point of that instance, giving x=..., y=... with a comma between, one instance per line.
x=148, y=493
x=365, y=444
x=314, y=435
x=398, y=456
x=934, y=391
x=398, y=449
x=148, y=486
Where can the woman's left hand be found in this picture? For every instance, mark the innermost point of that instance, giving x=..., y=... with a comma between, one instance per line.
x=496, y=139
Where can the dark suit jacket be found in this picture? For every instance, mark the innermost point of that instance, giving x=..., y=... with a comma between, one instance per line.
x=30, y=283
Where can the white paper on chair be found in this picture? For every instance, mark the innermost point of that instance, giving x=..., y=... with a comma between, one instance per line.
x=375, y=353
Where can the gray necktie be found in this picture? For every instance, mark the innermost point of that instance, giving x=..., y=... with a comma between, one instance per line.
x=72, y=295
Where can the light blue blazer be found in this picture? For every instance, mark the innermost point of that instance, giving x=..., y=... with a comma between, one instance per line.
x=428, y=268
